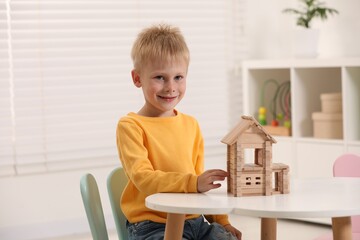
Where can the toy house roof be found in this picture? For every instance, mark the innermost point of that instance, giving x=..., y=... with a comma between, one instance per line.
x=245, y=123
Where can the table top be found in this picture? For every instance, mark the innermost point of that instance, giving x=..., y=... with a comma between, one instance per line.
x=309, y=198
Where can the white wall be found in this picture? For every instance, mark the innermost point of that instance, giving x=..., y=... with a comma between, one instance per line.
x=47, y=205
x=269, y=30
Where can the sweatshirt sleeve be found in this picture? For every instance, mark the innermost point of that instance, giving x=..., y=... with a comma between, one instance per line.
x=199, y=152
x=134, y=159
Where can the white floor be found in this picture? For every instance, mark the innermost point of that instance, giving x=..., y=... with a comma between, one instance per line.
x=250, y=227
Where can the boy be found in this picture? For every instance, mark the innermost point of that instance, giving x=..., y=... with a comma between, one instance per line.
x=161, y=149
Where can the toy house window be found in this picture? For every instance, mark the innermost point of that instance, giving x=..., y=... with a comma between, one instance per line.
x=249, y=155
x=275, y=182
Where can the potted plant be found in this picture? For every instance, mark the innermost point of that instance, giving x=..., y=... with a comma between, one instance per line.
x=305, y=41
x=310, y=9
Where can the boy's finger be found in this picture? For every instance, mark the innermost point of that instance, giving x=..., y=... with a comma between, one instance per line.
x=215, y=170
x=217, y=178
x=220, y=173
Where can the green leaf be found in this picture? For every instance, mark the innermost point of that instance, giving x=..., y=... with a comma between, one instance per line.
x=310, y=9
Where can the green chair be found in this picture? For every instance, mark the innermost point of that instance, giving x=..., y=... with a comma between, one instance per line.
x=92, y=203
x=116, y=183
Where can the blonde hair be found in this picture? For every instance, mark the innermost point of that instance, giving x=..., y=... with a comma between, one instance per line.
x=160, y=41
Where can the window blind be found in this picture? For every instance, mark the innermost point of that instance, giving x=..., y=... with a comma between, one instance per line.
x=6, y=150
x=65, y=77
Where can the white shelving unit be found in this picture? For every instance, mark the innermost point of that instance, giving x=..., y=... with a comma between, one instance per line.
x=307, y=156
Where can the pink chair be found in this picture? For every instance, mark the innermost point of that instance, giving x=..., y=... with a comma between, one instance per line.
x=347, y=165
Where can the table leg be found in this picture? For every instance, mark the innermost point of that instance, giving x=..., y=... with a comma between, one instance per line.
x=341, y=227
x=268, y=228
x=174, y=226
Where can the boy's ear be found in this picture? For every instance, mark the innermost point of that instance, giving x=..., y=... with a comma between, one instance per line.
x=136, y=78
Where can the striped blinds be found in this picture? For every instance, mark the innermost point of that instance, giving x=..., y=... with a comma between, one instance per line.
x=65, y=77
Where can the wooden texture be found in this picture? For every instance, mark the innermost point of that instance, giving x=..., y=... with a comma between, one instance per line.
x=249, y=179
x=268, y=228
x=174, y=225
x=278, y=130
x=341, y=228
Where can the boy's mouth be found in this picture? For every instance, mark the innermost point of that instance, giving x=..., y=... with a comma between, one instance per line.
x=167, y=98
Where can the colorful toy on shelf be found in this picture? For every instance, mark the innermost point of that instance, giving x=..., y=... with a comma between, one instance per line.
x=248, y=179
x=280, y=123
x=283, y=96
x=262, y=115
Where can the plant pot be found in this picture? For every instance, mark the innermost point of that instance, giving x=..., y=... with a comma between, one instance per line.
x=305, y=43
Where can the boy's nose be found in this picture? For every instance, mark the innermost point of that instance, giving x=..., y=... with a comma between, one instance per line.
x=170, y=87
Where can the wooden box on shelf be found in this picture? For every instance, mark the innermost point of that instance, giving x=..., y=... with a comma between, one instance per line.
x=329, y=122
x=331, y=102
x=328, y=125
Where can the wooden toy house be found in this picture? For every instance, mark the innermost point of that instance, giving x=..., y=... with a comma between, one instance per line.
x=263, y=177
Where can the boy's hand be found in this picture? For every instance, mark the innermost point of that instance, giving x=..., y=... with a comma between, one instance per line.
x=233, y=231
x=206, y=180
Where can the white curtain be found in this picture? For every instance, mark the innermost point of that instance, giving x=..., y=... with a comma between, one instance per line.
x=65, y=77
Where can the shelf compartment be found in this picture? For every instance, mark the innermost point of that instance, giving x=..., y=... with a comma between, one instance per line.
x=310, y=83
x=307, y=156
x=255, y=96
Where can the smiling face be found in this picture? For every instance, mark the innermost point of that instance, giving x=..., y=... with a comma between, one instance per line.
x=163, y=84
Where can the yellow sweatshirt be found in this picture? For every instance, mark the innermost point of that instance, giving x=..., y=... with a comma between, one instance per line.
x=161, y=154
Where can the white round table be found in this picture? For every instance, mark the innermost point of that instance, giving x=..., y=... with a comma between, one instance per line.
x=336, y=198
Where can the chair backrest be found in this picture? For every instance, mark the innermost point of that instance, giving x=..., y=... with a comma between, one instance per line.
x=116, y=183
x=92, y=203
x=348, y=165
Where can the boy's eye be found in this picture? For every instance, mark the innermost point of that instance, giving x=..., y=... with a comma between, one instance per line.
x=159, y=77
x=178, y=77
